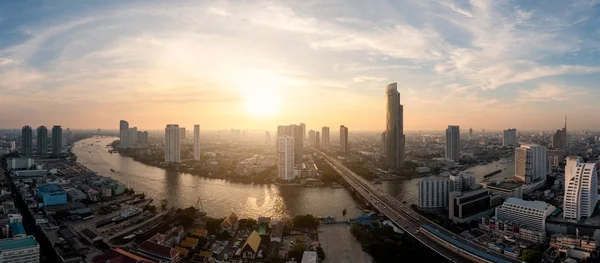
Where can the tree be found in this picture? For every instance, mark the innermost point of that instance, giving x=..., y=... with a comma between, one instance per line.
x=247, y=223
x=223, y=236
x=296, y=252
x=531, y=255
x=212, y=225
x=320, y=253
x=305, y=221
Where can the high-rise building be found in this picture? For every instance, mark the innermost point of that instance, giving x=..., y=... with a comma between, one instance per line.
x=124, y=133
x=197, y=142
x=26, y=140
x=453, y=143
x=509, y=138
x=559, y=140
x=142, y=138
x=383, y=144
x=531, y=214
x=317, y=140
x=312, y=137
x=395, y=140
x=325, y=144
x=303, y=128
x=132, y=137
x=181, y=134
x=56, y=140
x=344, y=150
x=296, y=132
x=530, y=163
x=470, y=133
x=285, y=157
x=42, y=140
x=433, y=193
x=172, y=144
x=581, y=189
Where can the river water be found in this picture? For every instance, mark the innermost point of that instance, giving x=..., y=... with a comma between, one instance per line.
x=221, y=197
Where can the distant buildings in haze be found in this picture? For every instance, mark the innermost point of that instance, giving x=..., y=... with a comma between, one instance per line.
x=26, y=140
x=197, y=142
x=57, y=138
x=285, y=157
x=172, y=144
x=509, y=138
x=453, y=143
x=325, y=143
x=395, y=139
x=344, y=150
x=123, y=133
x=560, y=138
x=42, y=140
x=131, y=137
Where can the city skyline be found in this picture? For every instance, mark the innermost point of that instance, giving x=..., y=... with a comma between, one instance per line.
x=461, y=66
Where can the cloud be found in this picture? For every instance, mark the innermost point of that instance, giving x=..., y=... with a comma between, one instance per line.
x=548, y=92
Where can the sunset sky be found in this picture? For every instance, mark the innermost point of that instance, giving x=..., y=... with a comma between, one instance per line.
x=256, y=64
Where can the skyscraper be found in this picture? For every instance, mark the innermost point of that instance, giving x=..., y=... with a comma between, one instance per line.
x=559, y=140
x=296, y=132
x=172, y=144
x=56, y=140
x=509, y=138
x=453, y=143
x=42, y=140
x=395, y=140
x=383, y=144
x=470, y=133
x=325, y=143
x=317, y=140
x=285, y=157
x=124, y=133
x=26, y=140
x=344, y=150
x=311, y=137
x=181, y=134
x=530, y=163
x=581, y=189
x=132, y=137
x=303, y=128
x=197, y=142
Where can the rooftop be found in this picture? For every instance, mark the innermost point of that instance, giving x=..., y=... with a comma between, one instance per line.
x=50, y=188
x=531, y=204
x=17, y=228
x=17, y=243
x=505, y=185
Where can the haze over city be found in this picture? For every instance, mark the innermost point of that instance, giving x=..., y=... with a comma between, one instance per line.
x=257, y=64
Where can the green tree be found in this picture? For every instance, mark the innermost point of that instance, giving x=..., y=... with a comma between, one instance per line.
x=248, y=223
x=296, y=252
x=531, y=256
x=305, y=221
x=212, y=225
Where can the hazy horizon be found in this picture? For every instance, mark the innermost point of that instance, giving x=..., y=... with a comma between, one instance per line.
x=259, y=64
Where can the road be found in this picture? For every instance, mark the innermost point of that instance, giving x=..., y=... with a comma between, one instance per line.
x=404, y=217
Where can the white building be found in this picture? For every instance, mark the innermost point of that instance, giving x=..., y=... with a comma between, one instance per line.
x=531, y=214
x=461, y=182
x=172, y=144
x=453, y=143
x=433, y=193
x=325, y=137
x=581, y=189
x=530, y=163
x=510, y=138
x=22, y=250
x=124, y=133
x=285, y=158
x=196, y=142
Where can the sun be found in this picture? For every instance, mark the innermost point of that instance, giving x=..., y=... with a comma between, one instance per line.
x=261, y=94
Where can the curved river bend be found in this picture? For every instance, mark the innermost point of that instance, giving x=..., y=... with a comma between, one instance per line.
x=221, y=197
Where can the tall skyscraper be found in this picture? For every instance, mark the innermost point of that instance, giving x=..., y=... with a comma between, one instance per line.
x=26, y=140
x=559, y=140
x=296, y=132
x=303, y=128
x=395, y=140
x=325, y=143
x=453, y=143
x=509, y=138
x=197, y=142
x=383, y=144
x=470, y=133
x=581, y=189
x=530, y=163
x=124, y=133
x=172, y=144
x=317, y=140
x=344, y=150
x=56, y=140
x=132, y=137
x=285, y=157
x=42, y=140
x=181, y=134
x=312, y=137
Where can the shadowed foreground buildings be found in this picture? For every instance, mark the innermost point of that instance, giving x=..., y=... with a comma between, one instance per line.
x=394, y=133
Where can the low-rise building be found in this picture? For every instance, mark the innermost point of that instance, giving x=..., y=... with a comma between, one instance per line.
x=531, y=214
x=310, y=257
x=19, y=163
x=22, y=250
x=51, y=194
x=501, y=228
x=250, y=249
x=470, y=206
x=506, y=189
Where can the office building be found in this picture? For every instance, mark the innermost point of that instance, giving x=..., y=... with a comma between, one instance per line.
x=453, y=143
x=57, y=140
x=197, y=141
x=325, y=143
x=181, y=134
x=303, y=128
x=42, y=140
x=124, y=133
x=344, y=150
x=19, y=250
x=461, y=182
x=317, y=140
x=395, y=139
x=531, y=214
x=132, y=137
x=51, y=194
x=285, y=157
x=530, y=163
x=311, y=137
x=142, y=138
x=433, y=193
x=510, y=138
x=470, y=133
x=471, y=205
x=559, y=140
x=172, y=144
x=19, y=163
x=383, y=144
x=296, y=132
x=26, y=140
x=581, y=189
x=506, y=189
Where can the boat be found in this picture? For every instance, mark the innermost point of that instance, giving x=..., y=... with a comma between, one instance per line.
x=113, y=170
x=129, y=212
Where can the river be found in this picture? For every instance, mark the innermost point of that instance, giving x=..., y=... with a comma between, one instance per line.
x=221, y=197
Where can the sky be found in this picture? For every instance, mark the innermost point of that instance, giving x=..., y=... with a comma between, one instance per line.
x=256, y=64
